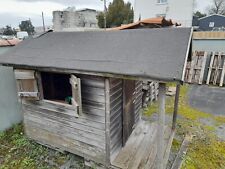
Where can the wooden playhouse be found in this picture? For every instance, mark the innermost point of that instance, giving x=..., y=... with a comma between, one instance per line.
x=81, y=91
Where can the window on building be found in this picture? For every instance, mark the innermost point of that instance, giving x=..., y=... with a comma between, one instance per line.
x=26, y=84
x=54, y=87
x=161, y=1
x=211, y=24
x=63, y=88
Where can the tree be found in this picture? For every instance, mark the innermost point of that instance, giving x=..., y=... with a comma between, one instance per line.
x=218, y=7
x=27, y=26
x=118, y=13
x=8, y=30
x=198, y=14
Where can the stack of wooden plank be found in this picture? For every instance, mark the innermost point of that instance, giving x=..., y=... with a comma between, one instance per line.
x=150, y=92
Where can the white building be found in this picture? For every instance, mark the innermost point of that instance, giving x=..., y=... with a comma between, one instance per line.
x=180, y=11
x=75, y=19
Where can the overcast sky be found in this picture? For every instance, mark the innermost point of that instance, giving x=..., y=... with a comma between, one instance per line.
x=14, y=11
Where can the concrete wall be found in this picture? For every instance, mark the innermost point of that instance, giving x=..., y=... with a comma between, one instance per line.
x=10, y=110
x=74, y=19
x=180, y=11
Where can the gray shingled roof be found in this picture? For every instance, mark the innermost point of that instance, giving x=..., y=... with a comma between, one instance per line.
x=151, y=53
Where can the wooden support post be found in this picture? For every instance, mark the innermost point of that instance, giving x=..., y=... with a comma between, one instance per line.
x=107, y=123
x=161, y=123
x=176, y=102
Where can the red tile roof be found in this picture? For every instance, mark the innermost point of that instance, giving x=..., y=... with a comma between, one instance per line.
x=153, y=22
x=11, y=42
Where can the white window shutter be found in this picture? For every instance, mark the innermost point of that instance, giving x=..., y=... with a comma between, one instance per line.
x=76, y=93
x=26, y=84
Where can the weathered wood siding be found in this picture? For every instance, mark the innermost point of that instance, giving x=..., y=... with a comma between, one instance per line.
x=138, y=100
x=57, y=126
x=116, y=110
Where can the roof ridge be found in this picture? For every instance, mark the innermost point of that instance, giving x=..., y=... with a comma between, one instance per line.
x=44, y=33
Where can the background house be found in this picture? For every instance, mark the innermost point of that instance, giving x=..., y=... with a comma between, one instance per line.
x=214, y=22
x=72, y=19
x=208, y=41
x=180, y=11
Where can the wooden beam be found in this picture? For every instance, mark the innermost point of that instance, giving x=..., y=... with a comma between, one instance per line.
x=176, y=102
x=222, y=75
x=161, y=123
x=192, y=67
x=202, y=68
x=217, y=66
x=210, y=68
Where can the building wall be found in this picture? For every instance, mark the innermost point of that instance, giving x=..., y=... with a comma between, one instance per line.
x=209, y=45
x=10, y=112
x=180, y=11
x=74, y=19
x=214, y=21
x=209, y=41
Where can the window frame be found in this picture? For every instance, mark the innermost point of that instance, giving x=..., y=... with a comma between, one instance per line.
x=75, y=84
x=77, y=107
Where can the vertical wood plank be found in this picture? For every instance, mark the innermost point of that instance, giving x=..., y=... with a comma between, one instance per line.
x=217, y=66
x=222, y=74
x=76, y=92
x=210, y=68
x=161, y=123
x=107, y=122
x=176, y=102
x=202, y=68
x=39, y=85
x=192, y=67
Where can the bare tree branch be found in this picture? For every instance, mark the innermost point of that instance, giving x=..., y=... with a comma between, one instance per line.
x=218, y=7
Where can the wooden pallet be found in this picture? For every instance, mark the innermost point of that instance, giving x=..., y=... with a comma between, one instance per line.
x=195, y=68
x=198, y=68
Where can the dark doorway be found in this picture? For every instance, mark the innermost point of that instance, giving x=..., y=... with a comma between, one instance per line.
x=128, y=110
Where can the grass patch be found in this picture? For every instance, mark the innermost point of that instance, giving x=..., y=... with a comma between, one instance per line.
x=16, y=151
x=206, y=150
x=220, y=119
x=184, y=109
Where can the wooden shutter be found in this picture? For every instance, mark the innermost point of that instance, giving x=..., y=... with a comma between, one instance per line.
x=26, y=84
x=76, y=93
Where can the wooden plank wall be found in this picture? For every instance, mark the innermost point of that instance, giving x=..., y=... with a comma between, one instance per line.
x=206, y=68
x=116, y=110
x=58, y=127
